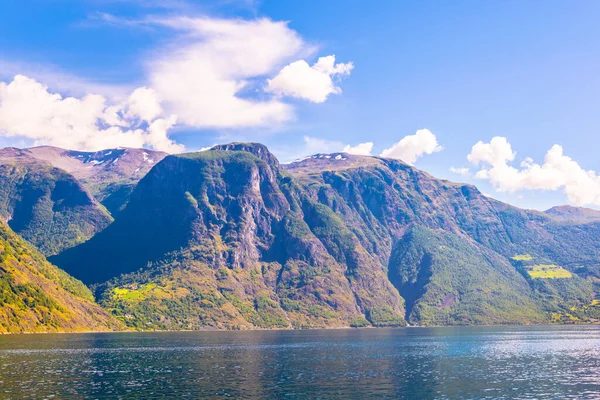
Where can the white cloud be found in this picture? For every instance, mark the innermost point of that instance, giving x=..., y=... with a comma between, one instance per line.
x=202, y=78
x=361, y=149
x=497, y=151
x=558, y=172
x=29, y=110
x=410, y=148
x=144, y=103
x=213, y=74
x=315, y=83
x=207, y=76
x=460, y=171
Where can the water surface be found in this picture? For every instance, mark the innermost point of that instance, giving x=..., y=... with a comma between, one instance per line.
x=425, y=363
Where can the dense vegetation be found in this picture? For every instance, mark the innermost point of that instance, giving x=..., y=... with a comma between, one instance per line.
x=35, y=296
x=48, y=206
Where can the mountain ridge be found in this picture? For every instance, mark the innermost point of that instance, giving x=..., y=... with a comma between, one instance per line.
x=109, y=175
x=257, y=243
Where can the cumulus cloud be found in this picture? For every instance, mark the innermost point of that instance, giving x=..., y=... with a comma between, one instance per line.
x=361, y=149
x=144, y=103
x=213, y=74
x=315, y=83
x=460, y=171
x=207, y=77
x=558, y=172
x=29, y=110
x=202, y=79
x=410, y=148
x=497, y=151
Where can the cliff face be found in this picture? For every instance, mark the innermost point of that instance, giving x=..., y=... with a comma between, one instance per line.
x=228, y=238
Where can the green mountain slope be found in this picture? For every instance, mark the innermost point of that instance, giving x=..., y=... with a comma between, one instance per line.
x=448, y=279
x=228, y=238
x=47, y=206
x=35, y=296
x=385, y=200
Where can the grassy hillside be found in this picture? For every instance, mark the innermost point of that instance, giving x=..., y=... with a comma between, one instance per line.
x=36, y=296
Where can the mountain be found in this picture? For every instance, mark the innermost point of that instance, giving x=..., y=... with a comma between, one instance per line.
x=46, y=205
x=35, y=296
x=228, y=238
x=109, y=175
x=574, y=214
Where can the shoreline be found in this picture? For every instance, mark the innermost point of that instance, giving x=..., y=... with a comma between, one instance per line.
x=290, y=330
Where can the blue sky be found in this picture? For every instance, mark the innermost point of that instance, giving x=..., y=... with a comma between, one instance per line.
x=466, y=71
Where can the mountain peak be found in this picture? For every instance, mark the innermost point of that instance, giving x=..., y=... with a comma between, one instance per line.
x=259, y=150
x=574, y=214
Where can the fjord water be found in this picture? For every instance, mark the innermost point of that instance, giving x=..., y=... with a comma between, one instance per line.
x=423, y=363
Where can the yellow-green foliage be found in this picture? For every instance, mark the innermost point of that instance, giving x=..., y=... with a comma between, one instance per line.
x=579, y=313
x=136, y=292
x=548, y=271
x=522, y=257
x=35, y=296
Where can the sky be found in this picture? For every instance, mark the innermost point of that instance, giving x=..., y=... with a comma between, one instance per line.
x=499, y=94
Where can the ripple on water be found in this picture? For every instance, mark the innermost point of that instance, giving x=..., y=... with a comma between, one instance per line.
x=511, y=362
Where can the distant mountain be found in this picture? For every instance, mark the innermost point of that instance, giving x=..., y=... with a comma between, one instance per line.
x=35, y=296
x=228, y=238
x=574, y=214
x=109, y=175
x=46, y=205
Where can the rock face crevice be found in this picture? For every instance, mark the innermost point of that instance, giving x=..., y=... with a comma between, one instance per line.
x=412, y=288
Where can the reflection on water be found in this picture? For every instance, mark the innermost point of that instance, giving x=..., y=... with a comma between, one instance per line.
x=424, y=363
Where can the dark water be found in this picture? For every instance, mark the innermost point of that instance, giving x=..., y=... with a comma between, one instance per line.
x=414, y=363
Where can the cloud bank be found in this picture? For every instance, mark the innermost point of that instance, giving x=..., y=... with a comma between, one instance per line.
x=557, y=172
x=408, y=149
x=214, y=74
x=29, y=110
